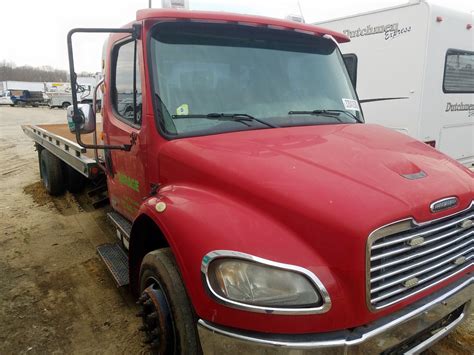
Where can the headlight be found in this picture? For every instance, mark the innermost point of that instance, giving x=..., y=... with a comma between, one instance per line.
x=256, y=284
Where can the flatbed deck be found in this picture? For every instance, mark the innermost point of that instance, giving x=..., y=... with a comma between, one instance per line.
x=57, y=139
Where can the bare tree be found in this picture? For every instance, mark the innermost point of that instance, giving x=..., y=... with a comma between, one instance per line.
x=9, y=71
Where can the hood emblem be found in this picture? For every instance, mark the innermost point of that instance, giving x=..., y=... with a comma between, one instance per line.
x=416, y=241
x=419, y=175
x=444, y=204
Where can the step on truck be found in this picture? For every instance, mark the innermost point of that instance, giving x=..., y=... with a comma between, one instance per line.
x=255, y=210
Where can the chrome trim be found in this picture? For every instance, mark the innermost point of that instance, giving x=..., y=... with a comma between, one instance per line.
x=424, y=345
x=422, y=289
x=419, y=234
x=415, y=176
x=416, y=273
x=398, y=227
x=453, y=198
x=395, y=262
x=317, y=284
x=419, y=263
x=427, y=242
x=375, y=337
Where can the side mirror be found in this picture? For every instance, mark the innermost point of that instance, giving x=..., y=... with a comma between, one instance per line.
x=87, y=113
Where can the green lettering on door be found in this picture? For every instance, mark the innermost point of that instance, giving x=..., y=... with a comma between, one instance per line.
x=128, y=181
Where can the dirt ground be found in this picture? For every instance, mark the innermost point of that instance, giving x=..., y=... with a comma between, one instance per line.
x=56, y=296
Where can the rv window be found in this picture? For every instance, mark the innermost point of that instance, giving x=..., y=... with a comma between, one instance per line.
x=350, y=60
x=459, y=72
x=124, y=92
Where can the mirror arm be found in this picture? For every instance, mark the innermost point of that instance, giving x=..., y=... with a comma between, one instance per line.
x=76, y=117
x=125, y=147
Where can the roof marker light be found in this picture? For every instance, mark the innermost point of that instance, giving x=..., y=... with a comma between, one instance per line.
x=439, y=19
x=468, y=26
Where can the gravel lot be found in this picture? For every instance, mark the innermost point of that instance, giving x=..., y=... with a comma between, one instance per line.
x=55, y=294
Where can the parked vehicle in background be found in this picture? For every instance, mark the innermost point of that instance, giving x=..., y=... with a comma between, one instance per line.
x=414, y=65
x=21, y=93
x=255, y=211
x=57, y=86
x=5, y=99
x=26, y=97
x=61, y=95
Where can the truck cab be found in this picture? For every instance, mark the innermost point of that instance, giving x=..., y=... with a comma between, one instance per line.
x=259, y=213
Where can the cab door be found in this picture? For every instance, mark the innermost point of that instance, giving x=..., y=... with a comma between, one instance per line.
x=126, y=176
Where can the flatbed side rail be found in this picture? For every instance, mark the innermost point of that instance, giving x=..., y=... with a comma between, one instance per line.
x=68, y=151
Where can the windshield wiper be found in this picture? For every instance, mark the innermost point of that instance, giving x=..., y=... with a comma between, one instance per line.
x=327, y=113
x=238, y=117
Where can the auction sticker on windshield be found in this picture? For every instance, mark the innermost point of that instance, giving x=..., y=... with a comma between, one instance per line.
x=350, y=104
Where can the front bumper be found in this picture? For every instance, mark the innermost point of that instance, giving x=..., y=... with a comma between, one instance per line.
x=411, y=330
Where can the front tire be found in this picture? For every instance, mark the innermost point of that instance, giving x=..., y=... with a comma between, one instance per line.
x=52, y=173
x=168, y=317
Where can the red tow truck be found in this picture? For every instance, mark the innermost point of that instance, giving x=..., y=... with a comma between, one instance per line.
x=256, y=212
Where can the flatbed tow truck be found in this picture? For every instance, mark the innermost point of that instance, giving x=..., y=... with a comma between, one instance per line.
x=255, y=210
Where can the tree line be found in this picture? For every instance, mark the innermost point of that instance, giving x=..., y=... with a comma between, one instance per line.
x=9, y=71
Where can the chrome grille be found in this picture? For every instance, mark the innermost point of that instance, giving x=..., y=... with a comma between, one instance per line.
x=405, y=258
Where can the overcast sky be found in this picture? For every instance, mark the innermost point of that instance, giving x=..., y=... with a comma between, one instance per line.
x=34, y=31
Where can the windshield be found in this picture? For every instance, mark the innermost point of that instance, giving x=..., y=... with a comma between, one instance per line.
x=277, y=77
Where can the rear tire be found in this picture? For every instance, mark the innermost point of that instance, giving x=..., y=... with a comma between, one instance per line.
x=159, y=275
x=52, y=173
x=75, y=180
x=65, y=105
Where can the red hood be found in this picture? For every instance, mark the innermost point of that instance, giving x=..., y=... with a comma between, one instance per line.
x=309, y=196
x=327, y=171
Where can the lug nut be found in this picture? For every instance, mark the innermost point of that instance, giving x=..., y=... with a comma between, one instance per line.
x=148, y=302
x=143, y=298
x=153, y=315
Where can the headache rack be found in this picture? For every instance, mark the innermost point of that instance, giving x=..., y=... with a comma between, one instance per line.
x=405, y=258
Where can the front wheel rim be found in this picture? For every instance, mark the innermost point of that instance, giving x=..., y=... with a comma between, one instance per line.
x=157, y=318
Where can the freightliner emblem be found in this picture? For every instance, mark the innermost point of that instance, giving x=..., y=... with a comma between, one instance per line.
x=444, y=204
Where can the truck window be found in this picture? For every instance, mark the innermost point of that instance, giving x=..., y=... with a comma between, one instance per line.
x=459, y=72
x=350, y=60
x=202, y=68
x=123, y=88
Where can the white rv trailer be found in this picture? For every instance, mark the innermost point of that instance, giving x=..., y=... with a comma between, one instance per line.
x=414, y=64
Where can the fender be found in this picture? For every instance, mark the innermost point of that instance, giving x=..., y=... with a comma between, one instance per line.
x=196, y=221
